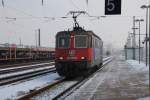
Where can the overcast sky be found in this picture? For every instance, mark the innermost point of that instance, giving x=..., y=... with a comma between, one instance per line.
x=30, y=15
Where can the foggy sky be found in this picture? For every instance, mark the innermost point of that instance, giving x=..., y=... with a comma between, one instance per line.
x=30, y=15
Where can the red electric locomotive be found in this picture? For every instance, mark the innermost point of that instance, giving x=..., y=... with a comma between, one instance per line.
x=77, y=51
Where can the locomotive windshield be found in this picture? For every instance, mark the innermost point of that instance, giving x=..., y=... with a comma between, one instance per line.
x=80, y=41
x=63, y=42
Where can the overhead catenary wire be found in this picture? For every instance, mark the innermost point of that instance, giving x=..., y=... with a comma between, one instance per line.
x=71, y=2
x=29, y=16
x=19, y=11
x=59, y=17
x=48, y=17
x=51, y=18
x=21, y=27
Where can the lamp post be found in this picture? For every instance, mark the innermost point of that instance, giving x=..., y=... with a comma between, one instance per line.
x=149, y=47
x=139, y=20
x=134, y=42
x=134, y=38
x=146, y=7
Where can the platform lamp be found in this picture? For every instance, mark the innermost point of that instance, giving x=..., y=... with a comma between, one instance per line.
x=134, y=40
x=148, y=39
x=146, y=7
x=139, y=20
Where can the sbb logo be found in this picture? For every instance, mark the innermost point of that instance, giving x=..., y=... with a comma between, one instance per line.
x=71, y=53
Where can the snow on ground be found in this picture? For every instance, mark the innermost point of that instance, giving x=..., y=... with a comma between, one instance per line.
x=138, y=66
x=3, y=69
x=119, y=80
x=145, y=98
x=25, y=71
x=51, y=93
x=14, y=90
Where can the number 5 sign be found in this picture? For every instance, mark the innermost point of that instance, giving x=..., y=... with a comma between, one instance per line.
x=112, y=7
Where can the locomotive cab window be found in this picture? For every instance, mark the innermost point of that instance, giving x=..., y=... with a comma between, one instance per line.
x=63, y=42
x=81, y=41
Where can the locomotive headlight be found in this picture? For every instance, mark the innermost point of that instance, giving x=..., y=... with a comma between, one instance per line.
x=61, y=58
x=82, y=58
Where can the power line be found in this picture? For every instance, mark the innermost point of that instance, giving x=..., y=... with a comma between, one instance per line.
x=19, y=11
x=71, y=2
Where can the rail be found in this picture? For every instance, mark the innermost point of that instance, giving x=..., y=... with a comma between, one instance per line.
x=22, y=68
x=18, y=77
x=67, y=91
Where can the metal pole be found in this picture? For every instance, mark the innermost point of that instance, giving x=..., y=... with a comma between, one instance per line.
x=35, y=38
x=139, y=20
x=20, y=41
x=134, y=43
x=146, y=33
x=139, y=43
x=149, y=47
x=125, y=52
x=39, y=38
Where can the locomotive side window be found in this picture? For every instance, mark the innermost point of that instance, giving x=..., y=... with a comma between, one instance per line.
x=63, y=42
x=90, y=42
x=81, y=41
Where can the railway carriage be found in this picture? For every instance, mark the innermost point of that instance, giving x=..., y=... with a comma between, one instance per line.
x=9, y=54
x=77, y=51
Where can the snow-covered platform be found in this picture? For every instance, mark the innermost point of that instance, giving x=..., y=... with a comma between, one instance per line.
x=119, y=80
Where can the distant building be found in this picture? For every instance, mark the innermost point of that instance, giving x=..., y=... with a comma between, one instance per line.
x=133, y=53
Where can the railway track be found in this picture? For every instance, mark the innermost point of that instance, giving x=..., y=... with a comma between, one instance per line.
x=14, y=77
x=22, y=68
x=23, y=64
x=68, y=87
x=75, y=86
x=35, y=92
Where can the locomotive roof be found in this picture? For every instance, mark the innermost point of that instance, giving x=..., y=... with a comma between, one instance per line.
x=78, y=32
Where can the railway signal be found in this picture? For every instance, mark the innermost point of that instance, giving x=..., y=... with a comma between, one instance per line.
x=112, y=7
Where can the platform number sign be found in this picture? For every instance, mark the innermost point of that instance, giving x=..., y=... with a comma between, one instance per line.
x=112, y=7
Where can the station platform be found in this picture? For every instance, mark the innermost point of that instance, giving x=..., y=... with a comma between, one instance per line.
x=118, y=80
